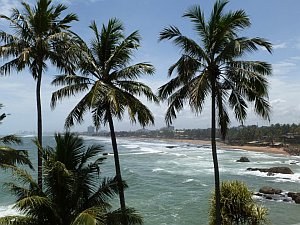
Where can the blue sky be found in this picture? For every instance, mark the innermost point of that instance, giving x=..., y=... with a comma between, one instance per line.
x=275, y=20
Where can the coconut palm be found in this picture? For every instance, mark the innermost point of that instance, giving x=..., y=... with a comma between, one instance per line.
x=73, y=193
x=214, y=66
x=39, y=35
x=110, y=84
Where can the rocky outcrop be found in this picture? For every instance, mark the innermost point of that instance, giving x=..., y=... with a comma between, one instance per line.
x=295, y=196
x=243, y=159
x=272, y=170
x=269, y=190
x=283, y=170
x=278, y=195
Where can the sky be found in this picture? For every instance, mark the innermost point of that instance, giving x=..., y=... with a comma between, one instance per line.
x=275, y=20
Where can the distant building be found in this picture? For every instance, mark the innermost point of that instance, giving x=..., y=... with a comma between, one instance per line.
x=91, y=130
x=168, y=128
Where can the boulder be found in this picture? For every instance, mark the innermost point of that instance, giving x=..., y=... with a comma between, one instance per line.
x=270, y=174
x=294, y=196
x=243, y=159
x=171, y=146
x=105, y=153
x=272, y=170
x=269, y=190
x=283, y=170
x=297, y=200
x=264, y=170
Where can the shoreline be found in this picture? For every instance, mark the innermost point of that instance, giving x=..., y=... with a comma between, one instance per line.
x=221, y=145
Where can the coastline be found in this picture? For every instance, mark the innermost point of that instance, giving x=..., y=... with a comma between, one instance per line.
x=221, y=145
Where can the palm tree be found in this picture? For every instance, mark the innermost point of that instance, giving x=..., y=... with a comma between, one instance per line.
x=110, y=83
x=8, y=155
x=39, y=36
x=74, y=193
x=214, y=66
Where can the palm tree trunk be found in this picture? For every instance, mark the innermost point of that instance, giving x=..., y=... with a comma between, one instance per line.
x=39, y=125
x=117, y=161
x=214, y=151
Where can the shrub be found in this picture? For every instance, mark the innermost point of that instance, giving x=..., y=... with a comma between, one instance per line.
x=238, y=206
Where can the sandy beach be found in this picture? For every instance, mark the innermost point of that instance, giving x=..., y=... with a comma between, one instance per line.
x=225, y=146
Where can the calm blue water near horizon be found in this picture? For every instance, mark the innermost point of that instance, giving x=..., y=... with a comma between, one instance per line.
x=172, y=186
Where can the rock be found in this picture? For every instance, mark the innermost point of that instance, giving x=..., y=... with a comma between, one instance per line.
x=105, y=153
x=270, y=174
x=243, y=159
x=171, y=146
x=283, y=170
x=268, y=197
x=297, y=200
x=269, y=190
x=264, y=170
x=258, y=194
x=294, y=196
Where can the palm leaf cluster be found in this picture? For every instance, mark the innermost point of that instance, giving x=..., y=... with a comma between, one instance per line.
x=8, y=155
x=216, y=61
x=73, y=191
x=38, y=35
x=107, y=78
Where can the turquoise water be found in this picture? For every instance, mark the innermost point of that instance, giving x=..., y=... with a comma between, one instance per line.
x=172, y=186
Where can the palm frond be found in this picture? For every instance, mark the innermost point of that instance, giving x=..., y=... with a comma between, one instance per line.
x=18, y=220
x=10, y=156
x=91, y=216
x=130, y=216
x=9, y=139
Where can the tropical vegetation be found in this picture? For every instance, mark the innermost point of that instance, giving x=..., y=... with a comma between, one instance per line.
x=238, y=206
x=214, y=66
x=74, y=193
x=109, y=81
x=39, y=36
x=69, y=189
x=8, y=155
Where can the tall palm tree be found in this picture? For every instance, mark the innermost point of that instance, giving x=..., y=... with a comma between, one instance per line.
x=110, y=84
x=39, y=35
x=214, y=66
x=73, y=194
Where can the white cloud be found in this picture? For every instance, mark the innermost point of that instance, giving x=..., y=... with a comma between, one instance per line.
x=283, y=68
x=280, y=46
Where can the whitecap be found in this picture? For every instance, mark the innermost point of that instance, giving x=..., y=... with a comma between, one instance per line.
x=157, y=169
x=8, y=211
x=188, y=181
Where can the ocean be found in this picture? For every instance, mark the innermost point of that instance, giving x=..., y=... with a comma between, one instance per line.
x=171, y=183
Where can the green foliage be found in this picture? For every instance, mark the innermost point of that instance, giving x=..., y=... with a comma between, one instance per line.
x=238, y=206
x=107, y=78
x=213, y=65
x=73, y=194
x=39, y=36
x=10, y=156
x=216, y=61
